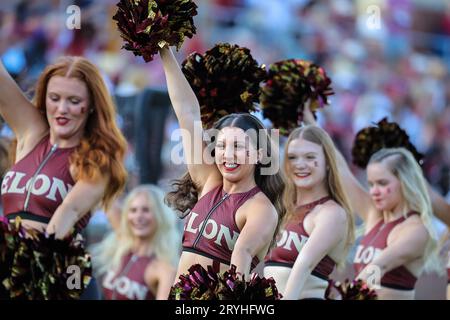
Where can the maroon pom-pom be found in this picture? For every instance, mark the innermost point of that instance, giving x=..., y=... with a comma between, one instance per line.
x=148, y=25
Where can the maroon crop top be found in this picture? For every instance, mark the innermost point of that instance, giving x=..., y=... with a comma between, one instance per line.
x=292, y=240
x=372, y=244
x=216, y=238
x=129, y=282
x=46, y=167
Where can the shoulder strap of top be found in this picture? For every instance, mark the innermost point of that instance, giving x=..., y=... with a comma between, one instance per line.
x=412, y=213
x=392, y=224
x=305, y=209
x=41, y=144
x=213, y=191
x=243, y=197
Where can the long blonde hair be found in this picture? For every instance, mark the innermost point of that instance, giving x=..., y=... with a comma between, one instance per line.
x=334, y=184
x=165, y=243
x=414, y=190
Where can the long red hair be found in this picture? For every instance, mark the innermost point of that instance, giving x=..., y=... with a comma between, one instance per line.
x=102, y=149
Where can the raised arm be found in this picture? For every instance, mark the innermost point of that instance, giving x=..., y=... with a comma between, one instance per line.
x=441, y=208
x=329, y=231
x=187, y=110
x=359, y=197
x=18, y=112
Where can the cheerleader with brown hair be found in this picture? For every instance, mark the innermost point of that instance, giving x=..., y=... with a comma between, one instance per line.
x=235, y=208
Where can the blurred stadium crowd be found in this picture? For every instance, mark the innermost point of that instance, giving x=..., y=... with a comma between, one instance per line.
x=385, y=58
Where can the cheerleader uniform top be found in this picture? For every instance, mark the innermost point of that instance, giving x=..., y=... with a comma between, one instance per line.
x=210, y=228
x=38, y=183
x=291, y=242
x=372, y=244
x=129, y=282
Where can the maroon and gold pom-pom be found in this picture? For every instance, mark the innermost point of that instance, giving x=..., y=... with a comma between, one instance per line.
x=36, y=266
x=350, y=290
x=384, y=134
x=225, y=80
x=146, y=26
x=202, y=284
x=290, y=84
x=10, y=237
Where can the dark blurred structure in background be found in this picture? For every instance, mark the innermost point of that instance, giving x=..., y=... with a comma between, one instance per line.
x=144, y=116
